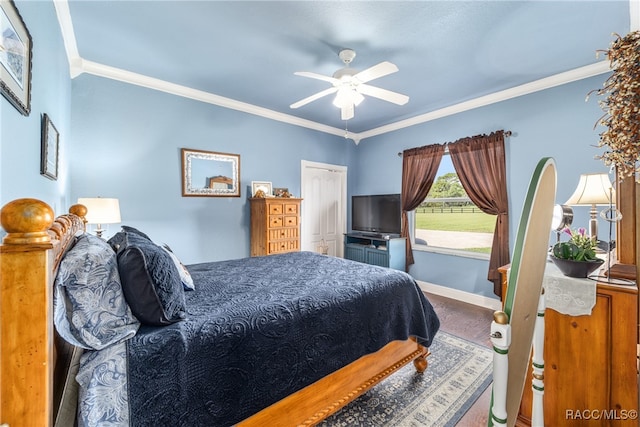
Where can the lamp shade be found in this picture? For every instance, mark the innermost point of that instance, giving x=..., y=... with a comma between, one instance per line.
x=101, y=210
x=593, y=189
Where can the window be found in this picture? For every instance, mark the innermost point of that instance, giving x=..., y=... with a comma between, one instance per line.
x=448, y=219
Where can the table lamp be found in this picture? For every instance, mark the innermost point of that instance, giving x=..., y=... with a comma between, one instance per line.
x=593, y=189
x=101, y=210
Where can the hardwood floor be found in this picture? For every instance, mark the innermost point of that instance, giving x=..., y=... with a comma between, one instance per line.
x=473, y=323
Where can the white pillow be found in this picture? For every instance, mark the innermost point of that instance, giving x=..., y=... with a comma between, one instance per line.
x=185, y=276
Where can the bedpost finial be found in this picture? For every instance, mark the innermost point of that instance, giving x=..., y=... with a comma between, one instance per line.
x=500, y=317
x=79, y=210
x=26, y=221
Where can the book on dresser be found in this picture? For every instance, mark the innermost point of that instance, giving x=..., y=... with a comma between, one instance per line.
x=275, y=225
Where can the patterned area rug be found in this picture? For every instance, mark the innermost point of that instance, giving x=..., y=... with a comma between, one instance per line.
x=458, y=372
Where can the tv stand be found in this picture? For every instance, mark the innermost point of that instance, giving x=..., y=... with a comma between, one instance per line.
x=379, y=249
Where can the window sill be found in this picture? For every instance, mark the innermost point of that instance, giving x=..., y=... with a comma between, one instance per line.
x=448, y=251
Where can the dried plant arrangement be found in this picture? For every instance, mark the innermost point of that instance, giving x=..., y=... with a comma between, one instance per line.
x=621, y=139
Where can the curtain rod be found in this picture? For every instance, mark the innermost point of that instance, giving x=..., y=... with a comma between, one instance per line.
x=446, y=149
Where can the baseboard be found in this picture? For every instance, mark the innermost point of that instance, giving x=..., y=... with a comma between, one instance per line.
x=468, y=297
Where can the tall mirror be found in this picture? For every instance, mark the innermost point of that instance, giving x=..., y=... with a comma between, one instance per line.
x=210, y=174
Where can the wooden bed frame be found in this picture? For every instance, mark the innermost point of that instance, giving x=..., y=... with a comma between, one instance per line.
x=29, y=258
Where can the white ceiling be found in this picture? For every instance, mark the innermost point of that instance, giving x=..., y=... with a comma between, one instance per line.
x=451, y=55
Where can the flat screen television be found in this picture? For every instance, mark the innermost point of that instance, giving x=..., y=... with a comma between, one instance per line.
x=376, y=214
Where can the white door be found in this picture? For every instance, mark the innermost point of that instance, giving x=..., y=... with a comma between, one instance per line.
x=324, y=207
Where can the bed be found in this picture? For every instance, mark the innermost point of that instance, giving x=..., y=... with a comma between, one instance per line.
x=278, y=340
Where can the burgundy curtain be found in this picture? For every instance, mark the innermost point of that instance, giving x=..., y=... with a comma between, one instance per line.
x=419, y=168
x=480, y=164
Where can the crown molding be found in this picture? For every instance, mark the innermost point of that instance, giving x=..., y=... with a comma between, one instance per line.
x=78, y=66
x=68, y=37
x=503, y=95
x=125, y=76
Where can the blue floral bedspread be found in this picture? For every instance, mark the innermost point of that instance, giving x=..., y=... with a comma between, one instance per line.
x=259, y=329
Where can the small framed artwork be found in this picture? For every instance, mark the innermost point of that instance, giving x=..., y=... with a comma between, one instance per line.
x=50, y=143
x=15, y=58
x=281, y=192
x=264, y=186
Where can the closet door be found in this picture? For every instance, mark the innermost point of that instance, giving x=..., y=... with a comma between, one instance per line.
x=323, y=207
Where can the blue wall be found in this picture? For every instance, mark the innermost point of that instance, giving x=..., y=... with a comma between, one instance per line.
x=556, y=123
x=50, y=94
x=126, y=144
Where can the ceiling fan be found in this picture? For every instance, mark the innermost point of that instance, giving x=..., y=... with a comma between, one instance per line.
x=349, y=85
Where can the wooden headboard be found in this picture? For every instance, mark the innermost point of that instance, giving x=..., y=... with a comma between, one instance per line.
x=29, y=257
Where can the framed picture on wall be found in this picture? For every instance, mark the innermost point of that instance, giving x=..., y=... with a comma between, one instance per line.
x=15, y=58
x=49, y=149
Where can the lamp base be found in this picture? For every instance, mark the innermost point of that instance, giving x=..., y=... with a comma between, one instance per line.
x=593, y=224
x=99, y=230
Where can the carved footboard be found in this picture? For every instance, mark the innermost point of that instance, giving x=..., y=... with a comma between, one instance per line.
x=321, y=399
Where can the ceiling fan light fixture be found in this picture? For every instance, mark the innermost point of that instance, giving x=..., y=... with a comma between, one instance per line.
x=347, y=97
x=343, y=98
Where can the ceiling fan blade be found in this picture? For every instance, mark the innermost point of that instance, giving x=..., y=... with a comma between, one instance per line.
x=382, y=69
x=385, y=95
x=316, y=76
x=346, y=112
x=314, y=97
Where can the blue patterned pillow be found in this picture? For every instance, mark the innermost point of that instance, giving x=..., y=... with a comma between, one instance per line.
x=150, y=280
x=90, y=310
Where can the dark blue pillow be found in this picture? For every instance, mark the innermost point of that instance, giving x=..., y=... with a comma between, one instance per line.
x=133, y=230
x=150, y=280
x=118, y=239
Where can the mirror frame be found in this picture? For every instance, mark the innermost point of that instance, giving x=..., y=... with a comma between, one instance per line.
x=188, y=189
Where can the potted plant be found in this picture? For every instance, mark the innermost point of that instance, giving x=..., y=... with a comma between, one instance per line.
x=577, y=256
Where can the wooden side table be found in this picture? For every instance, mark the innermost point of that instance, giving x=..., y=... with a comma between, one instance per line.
x=590, y=362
